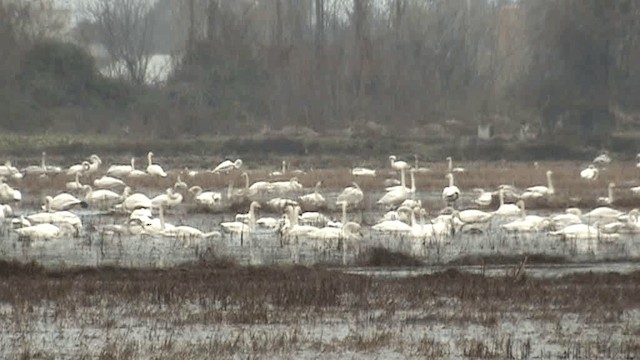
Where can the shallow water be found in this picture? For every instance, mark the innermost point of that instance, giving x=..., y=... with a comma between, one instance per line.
x=264, y=246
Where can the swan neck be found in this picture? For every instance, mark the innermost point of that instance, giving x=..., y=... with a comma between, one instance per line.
x=450, y=179
x=161, y=217
x=549, y=182
x=149, y=158
x=501, y=196
x=403, y=178
x=413, y=182
x=450, y=161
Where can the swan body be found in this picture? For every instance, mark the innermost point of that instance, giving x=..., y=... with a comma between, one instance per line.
x=398, y=165
x=8, y=194
x=395, y=226
x=9, y=170
x=154, y=169
x=544, y=190
x=239, y=227
x=100, y=196
x=135, y=201
x=188, y=233
x=108, y=182
x=570, y=217
x=168, y=199
x=286, y=186
x=206, y=198
x=5, y=210
x=180, y=185
x=121, y=170
x=506, y=209
x=609, y=199
x=37, y=169
x=361, y=171
x=58, y=217
x=227, y=165
x=603, y=212
x=352, y=195
x=135, y=173
x=78, y=168
x=400, y=194
x=314, y=200
x=268, y=222
x=63, y=201
x=292, y=229
x=451, y=193
x=280, y=172
x=39, y=232
x=578, y=231
x=420, y=170
x=74, y=185
x=484, y=198
x=603, y=159
x=472, y=216
x=94, y=164
x=590, y=173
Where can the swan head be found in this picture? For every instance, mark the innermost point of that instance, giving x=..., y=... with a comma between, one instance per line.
x=449, y=176
x=392, y=158
x=255, y=205
x=448, y=158
x=237, y=163
x=612, y=185
x=95, y=158
x=244, y=174
x=355, y=185
x=150, y=154
x=86, y=189
x=549, y=172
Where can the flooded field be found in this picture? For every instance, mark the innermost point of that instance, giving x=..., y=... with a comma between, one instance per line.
x=478, y=290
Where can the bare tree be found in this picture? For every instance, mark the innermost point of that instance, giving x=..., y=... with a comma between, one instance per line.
x=125, y=31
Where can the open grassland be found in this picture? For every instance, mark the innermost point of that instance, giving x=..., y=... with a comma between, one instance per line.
x=216, y=307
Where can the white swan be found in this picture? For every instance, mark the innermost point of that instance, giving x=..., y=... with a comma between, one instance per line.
x=578, y=231
x=62, y=201
x=157, y=226
x=37, y=169
x=570, y=217
x=293, y=230
x=603, y=212
x=314, y=200
x=154, y=169
x=258, y=187
x=5, y=210
x=420, y=170
x=40, y=232
x=399, y=194
x=544, y=190
x=403, y=213
x=7, y=193
x=506, y=209
x=472, y=216
x=94, y=163
x=282, y=171
x=527, y=223
x=590, y=173
x=169, y=199
x=135, y=173
x=484, y=197
x=101, y=197
x=189, y=234
x=451, y=193
x=180, y=185
x=362, y=171
x=74, y=185
x=352, y=195
x=108, y=182
x=121, y=170
x=450, y=167
x=58, y=217
x=286, y=186
x=330, y=237
x=609, y=199
x=394, y=226
x=227, y=165
x=239, y=227
x=205, y=198
x=78, y=168
x=134, y=201
x=603, y=159
x=398, y=165
x=10, y=171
